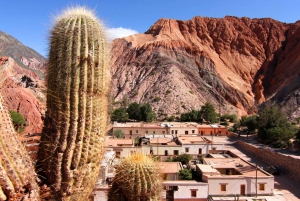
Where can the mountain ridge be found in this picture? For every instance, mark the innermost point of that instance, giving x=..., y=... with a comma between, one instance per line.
x=231, y=60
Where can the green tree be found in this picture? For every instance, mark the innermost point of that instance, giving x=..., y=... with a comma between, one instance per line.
x=189, y=116
x=250, y=122
x=118, y=134
x=134, y=111
x=208, y=113
x=186, y=174
x=18, y=120
x=274, y=127
x=229, y=117
x=183, y=158
x=146, y=113
x=119, y=114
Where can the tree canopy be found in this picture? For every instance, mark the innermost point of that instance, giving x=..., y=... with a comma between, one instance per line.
x=183, y=158
x=146, y=113
x=134, y=111
x=208, y=113
x=274, y=127
x=119, y=114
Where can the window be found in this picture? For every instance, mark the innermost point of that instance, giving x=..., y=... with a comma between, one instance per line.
x=223, y=187
x=211, y=132
x=151, y=152
x=118, y=154
x=146, y=132
x=136, y=131
x=187, y=149
x=163, y=132
x=166, y=152
x=261, y=187
x=193, y=131
x=186, y=132
x=176, y=152
x=172, y=131
x=130, y=132
x=153, y=132
x=193, y=193
x=176, y=132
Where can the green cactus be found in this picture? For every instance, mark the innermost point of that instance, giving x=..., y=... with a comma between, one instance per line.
x=75, y=122
x=138, y=178
x=17, y=176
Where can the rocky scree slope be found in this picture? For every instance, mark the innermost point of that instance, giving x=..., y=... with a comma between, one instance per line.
x=234, y=63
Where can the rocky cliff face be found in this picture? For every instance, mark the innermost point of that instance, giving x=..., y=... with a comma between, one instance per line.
x=23, y=92
x=234, y=63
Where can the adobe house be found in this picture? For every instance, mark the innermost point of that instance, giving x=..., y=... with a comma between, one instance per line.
x=122, y=147
x=195, y=145
x=212, y=129
x=185, y=190
x=230, y=176
x=170, y=170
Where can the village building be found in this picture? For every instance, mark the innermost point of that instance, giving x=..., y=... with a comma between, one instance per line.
x=229, y=176
x=133, y=130
x=197, y=145
x=122, y=147
x=185, y=190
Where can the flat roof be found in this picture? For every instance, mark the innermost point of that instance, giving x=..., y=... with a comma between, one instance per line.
x=160, y=141
x=240, y=165
x=191, y=139
x=170, y=167
x=208, y=169
x=117, y=142
x=184, y=182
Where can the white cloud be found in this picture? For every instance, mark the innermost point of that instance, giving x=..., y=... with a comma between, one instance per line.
x=113, y=33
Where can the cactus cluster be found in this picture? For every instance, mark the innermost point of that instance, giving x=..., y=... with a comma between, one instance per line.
x=76, y=117
x=17, y=175
x=138, y=178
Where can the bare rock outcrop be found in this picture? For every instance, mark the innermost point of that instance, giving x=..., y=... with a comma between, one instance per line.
x=234, y=63
x=23, y=92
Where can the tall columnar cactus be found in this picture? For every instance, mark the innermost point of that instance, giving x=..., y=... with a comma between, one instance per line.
x=75, y=122
x=17, y=175
x=138, y=178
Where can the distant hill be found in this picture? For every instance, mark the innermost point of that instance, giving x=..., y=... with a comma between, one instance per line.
x=23, y=55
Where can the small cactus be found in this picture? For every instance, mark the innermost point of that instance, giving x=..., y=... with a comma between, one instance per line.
x=75, y=121
x=138, y=178
x=17, y=175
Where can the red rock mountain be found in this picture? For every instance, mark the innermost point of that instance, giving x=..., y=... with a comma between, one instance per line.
x=234, y=63
x=23, y=92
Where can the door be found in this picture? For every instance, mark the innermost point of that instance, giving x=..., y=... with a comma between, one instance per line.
x=200, y=151
x=243, y=189
x=169, y=195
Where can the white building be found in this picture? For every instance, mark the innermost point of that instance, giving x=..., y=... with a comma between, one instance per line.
x=185, y=190
x=234, y=176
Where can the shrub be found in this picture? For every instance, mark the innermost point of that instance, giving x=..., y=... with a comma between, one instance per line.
x=186, y=174
x=18, y=120
x=118, y=134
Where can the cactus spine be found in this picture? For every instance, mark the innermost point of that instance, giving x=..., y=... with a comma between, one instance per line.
x=138, y=178
x=17, y=176
x=75, y=122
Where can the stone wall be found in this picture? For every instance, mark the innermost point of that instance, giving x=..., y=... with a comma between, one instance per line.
x=286, y=164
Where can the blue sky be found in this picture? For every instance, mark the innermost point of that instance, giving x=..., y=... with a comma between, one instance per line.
x=30, y=20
